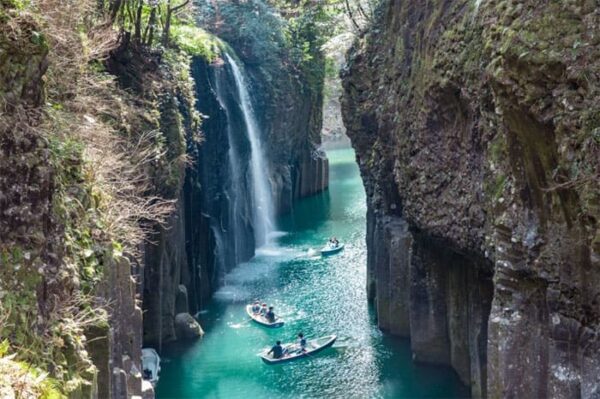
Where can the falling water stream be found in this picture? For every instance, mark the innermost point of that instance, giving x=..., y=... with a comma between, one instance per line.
x=236, y=166
x=315, y=295
x=263, y=204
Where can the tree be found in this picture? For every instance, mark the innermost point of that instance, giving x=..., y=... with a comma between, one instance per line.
x=171, y=10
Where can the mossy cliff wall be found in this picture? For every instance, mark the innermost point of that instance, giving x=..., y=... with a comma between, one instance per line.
x=477, y=132
x=68, y=306
x=287, y=99
x=204, y=239
x=89, y=165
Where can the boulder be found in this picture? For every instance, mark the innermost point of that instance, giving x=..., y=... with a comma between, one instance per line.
x=147, y=390
x=186, y=327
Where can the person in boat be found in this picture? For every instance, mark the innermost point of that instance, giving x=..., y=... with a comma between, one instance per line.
x=256, y=307
x=147, y=374
x=301, y=342
x=277, y=350
x=270, y=315
x=263, y=310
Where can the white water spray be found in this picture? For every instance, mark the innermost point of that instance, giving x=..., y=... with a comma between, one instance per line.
x=263, y=203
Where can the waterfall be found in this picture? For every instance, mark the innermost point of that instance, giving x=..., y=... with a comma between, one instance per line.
x=261, y=191
x=237, y=186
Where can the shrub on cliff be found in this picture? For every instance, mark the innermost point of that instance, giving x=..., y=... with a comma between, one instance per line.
x=85, y=168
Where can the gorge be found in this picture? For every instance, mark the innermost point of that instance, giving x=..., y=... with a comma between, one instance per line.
x=162, y=164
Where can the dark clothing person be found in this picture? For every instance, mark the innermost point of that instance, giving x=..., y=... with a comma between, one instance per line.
x=301, y=343
x=277, y=350
x=270, y=316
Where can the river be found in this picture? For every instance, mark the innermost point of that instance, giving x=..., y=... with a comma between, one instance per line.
x=318, y=296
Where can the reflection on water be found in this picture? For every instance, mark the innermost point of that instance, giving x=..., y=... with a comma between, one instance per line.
x=318, y=296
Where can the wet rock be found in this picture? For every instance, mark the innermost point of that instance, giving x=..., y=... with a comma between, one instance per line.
x=392, y=244
x=147, y=390
x=186, y=327
x=119, y=382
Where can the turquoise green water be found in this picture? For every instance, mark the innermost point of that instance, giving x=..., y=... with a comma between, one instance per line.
x=318, y=296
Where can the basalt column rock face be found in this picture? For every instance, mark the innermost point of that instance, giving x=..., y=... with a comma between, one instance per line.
x=287, y=103
x=211, y=230
x=476, y=129
x=186, y=258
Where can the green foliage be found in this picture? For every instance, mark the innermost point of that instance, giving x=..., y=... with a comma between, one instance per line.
x=195, y=41
x=251, y=24
x=279, y=41
x=150, y=22
x=309, y=25
x=24, y=379
x=18, y=4
x=331, y=70
x=76, y=204
x=56, y=341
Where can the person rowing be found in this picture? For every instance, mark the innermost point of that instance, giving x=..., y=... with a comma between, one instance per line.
x=270, y=316
x=277, y=350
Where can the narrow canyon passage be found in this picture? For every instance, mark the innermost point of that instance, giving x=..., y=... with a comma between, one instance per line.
x=317, y=296
x=163, y=163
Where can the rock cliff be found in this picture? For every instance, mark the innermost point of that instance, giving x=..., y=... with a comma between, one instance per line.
x=212, y=230
x=69, y=309
x=478, y=141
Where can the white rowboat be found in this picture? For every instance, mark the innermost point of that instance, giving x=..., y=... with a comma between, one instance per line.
x=293, y=352
x=260, y=319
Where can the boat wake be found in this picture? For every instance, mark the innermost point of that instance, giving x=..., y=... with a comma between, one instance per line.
x=237, y=326
x=271, y=250
x=313, y=253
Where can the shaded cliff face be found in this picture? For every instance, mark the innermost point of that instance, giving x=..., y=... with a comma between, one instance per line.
x=476, y=127
x=287, y=101
x=73, y=191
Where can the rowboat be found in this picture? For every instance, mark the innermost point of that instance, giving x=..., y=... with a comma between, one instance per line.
x=293, y=352
x=331, y=249
x=263, y=320
x=150, y=365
